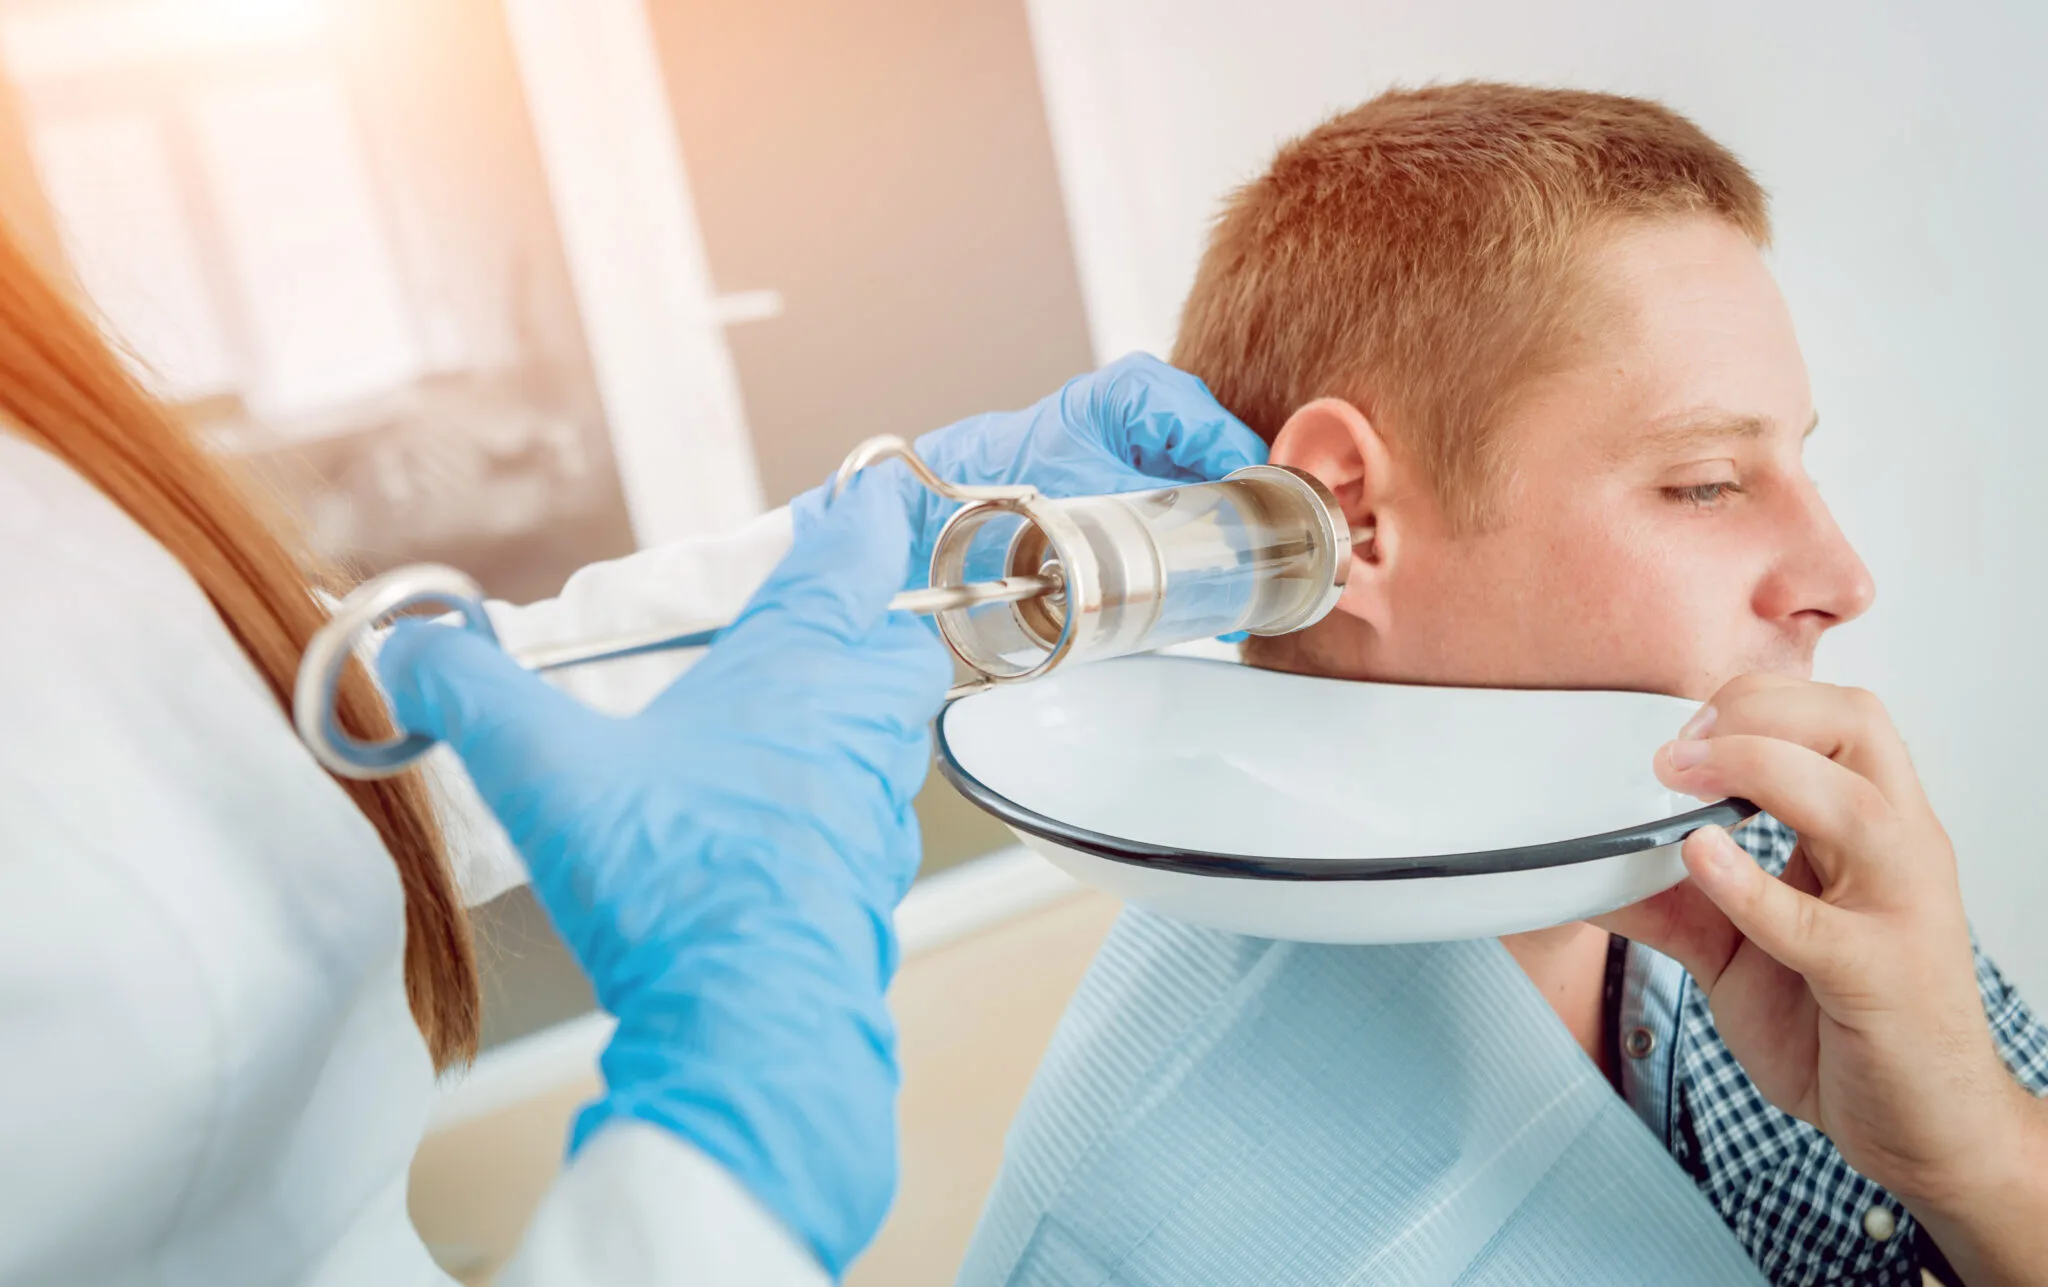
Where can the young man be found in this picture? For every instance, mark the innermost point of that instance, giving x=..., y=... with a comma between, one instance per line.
x=1530, y=341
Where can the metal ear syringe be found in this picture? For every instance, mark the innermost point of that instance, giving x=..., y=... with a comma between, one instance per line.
x=1020, y=584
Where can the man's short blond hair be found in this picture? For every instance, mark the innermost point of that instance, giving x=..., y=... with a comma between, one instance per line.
x=1417, y=256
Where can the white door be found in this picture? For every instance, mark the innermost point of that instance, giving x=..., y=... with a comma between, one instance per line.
x=652, y=318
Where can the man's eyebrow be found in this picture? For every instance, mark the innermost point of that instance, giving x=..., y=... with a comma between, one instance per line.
x=1696, y=428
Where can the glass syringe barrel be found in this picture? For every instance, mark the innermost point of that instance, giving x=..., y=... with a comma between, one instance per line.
x=1264, y=550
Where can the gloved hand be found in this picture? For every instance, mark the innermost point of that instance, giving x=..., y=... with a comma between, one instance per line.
x=1133, y=425
x=724, y=865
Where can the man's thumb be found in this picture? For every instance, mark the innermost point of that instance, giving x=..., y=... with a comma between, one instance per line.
x=1794, y=928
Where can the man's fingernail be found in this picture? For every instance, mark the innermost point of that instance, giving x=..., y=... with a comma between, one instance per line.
x=1721, y=848
x=1686, y=753
x=1702, y=720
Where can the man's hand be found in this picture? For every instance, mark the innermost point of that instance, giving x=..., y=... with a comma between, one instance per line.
x=1847, y=989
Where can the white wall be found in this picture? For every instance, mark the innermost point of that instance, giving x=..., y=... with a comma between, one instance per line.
x=1907, y=151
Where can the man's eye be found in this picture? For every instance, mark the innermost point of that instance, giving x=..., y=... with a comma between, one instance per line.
x=1702, y=494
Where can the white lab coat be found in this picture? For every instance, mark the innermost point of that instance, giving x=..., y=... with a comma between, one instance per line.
x=208, y=1070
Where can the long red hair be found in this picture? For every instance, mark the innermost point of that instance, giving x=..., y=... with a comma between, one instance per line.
x=64, y=388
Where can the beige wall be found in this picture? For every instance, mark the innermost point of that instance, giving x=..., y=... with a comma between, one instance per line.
x=975, y=1019
x=22, y=205
x=887, y=167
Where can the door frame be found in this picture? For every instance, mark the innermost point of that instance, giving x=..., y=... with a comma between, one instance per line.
x=651, y=314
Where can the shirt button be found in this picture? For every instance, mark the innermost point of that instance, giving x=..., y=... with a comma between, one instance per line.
x=1639, y=1043
x=1880, y=1223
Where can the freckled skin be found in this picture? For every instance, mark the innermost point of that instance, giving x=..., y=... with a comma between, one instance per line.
x=1615, y=557
x=1595, y=572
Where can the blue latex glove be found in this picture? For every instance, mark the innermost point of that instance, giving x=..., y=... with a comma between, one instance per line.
x=725, y=864
x=1133, y=425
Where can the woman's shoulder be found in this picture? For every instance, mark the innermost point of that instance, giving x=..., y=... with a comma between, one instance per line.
x=62, y=539
x=134, y=723
x=112, y=1021
x=186, y=899
x=134, y=732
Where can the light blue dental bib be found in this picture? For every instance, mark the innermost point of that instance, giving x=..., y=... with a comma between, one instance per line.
x=1224, y=1110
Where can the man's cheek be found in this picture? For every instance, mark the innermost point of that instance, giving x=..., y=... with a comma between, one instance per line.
x=1706, y=635
x=1657, y=626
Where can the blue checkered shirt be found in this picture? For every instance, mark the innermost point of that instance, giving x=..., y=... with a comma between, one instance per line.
x=1798, y=1209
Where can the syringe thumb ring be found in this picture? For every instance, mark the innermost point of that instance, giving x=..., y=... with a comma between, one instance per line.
x=355, y=618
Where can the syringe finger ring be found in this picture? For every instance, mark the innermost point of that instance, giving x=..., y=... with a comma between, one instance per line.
x=1266, y=550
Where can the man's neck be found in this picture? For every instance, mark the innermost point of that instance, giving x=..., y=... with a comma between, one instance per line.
x=1568, y=965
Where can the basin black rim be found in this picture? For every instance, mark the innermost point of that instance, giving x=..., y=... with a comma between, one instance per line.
x=1195, y=862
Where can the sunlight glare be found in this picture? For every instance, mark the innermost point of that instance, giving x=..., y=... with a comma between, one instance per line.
x=101, y=34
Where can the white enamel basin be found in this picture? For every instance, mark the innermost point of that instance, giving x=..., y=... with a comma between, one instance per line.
x=1317, y=809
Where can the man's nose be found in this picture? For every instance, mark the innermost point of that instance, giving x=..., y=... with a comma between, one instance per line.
x=1820, y=576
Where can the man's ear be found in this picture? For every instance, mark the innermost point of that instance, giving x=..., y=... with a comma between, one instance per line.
x=1332, y=439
